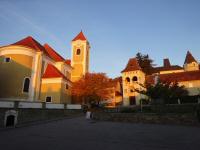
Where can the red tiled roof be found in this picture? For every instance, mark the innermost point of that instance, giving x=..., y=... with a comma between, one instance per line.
x=52, y=53
x=173, y=67
x=132, y=65
x=68, y=61
x=52, y=72
x=175, y=77
x=166, y=67
x=30, y=42
x=189, y=58
x=80, y=36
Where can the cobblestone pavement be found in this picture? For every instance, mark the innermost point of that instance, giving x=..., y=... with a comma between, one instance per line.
x=81, y=134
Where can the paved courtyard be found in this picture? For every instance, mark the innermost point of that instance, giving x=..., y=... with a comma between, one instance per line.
x=81, y=134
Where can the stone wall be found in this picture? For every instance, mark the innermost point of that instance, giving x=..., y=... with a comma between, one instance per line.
x=29, y=115
x=170, y=118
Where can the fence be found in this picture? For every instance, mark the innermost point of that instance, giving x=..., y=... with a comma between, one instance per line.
x=37, y=105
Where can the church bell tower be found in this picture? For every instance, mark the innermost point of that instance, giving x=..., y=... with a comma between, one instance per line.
x=80, y=56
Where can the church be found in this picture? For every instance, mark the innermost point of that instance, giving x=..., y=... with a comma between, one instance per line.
x=133, y=77
x=30, y=71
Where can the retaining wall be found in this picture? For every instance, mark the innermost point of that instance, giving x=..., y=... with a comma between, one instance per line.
x=29, y=112
x=170, y=118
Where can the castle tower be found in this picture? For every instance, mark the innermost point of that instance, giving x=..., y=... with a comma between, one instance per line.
x=190, y=63
x=132, y=78
x=80, y=56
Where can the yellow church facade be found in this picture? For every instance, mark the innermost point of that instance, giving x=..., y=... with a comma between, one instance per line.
x=33, y=72
x=134, y=78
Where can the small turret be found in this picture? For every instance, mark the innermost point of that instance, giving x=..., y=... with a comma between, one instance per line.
x=190, y=64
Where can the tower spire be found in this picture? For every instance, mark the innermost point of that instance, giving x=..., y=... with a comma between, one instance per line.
x=80, y=36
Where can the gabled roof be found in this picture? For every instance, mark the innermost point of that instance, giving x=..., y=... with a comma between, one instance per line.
x=189, y=58
x=80, y=36
x=52, y=72
x=175, y=77
x=31, y=43
x=132, y=65
x=52, y=53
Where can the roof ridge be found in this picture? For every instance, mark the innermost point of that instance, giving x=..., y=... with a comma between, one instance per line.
x=50, y=50
x=132, y=65
x=30, y=42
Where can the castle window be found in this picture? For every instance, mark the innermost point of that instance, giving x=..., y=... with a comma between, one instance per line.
x=66, y=86
x=48, y=99
x=78, y=52
x=26, y=85
x=127, y=79
x=135, y=78
x=7, y=59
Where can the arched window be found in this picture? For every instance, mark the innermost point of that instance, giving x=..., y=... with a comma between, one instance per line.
x=127, y=79
x=26, y=85
x=135, y=78
x=78, y=52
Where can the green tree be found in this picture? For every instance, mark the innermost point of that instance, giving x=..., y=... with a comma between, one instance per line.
x=145, y=62
x=162, y=92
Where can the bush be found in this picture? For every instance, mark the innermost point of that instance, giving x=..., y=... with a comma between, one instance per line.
x=130, y=109
x=144, y=101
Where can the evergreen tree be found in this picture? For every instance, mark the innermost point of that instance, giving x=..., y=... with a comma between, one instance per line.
x=145, y=62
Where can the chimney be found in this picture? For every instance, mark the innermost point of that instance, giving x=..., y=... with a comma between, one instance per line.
x=166, y=62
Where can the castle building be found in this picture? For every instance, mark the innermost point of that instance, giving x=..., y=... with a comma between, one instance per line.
x=133, y=78
x=30, y=71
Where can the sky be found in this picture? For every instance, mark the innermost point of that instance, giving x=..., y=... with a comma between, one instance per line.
x=116, y=29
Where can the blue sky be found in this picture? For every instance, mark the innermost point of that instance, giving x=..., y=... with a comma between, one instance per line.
x=116, y=29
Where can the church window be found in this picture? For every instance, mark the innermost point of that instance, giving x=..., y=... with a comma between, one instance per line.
x=7, y=59
x=26, y=85
x=78, y=52
x=48, y=99
x=135, y=78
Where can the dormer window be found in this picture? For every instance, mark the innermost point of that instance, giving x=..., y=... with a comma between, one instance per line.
x=7, y=59
x=78, y=52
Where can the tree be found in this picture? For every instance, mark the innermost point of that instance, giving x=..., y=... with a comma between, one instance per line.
x=145, y=63
x=162, y=92
x=93, y=87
